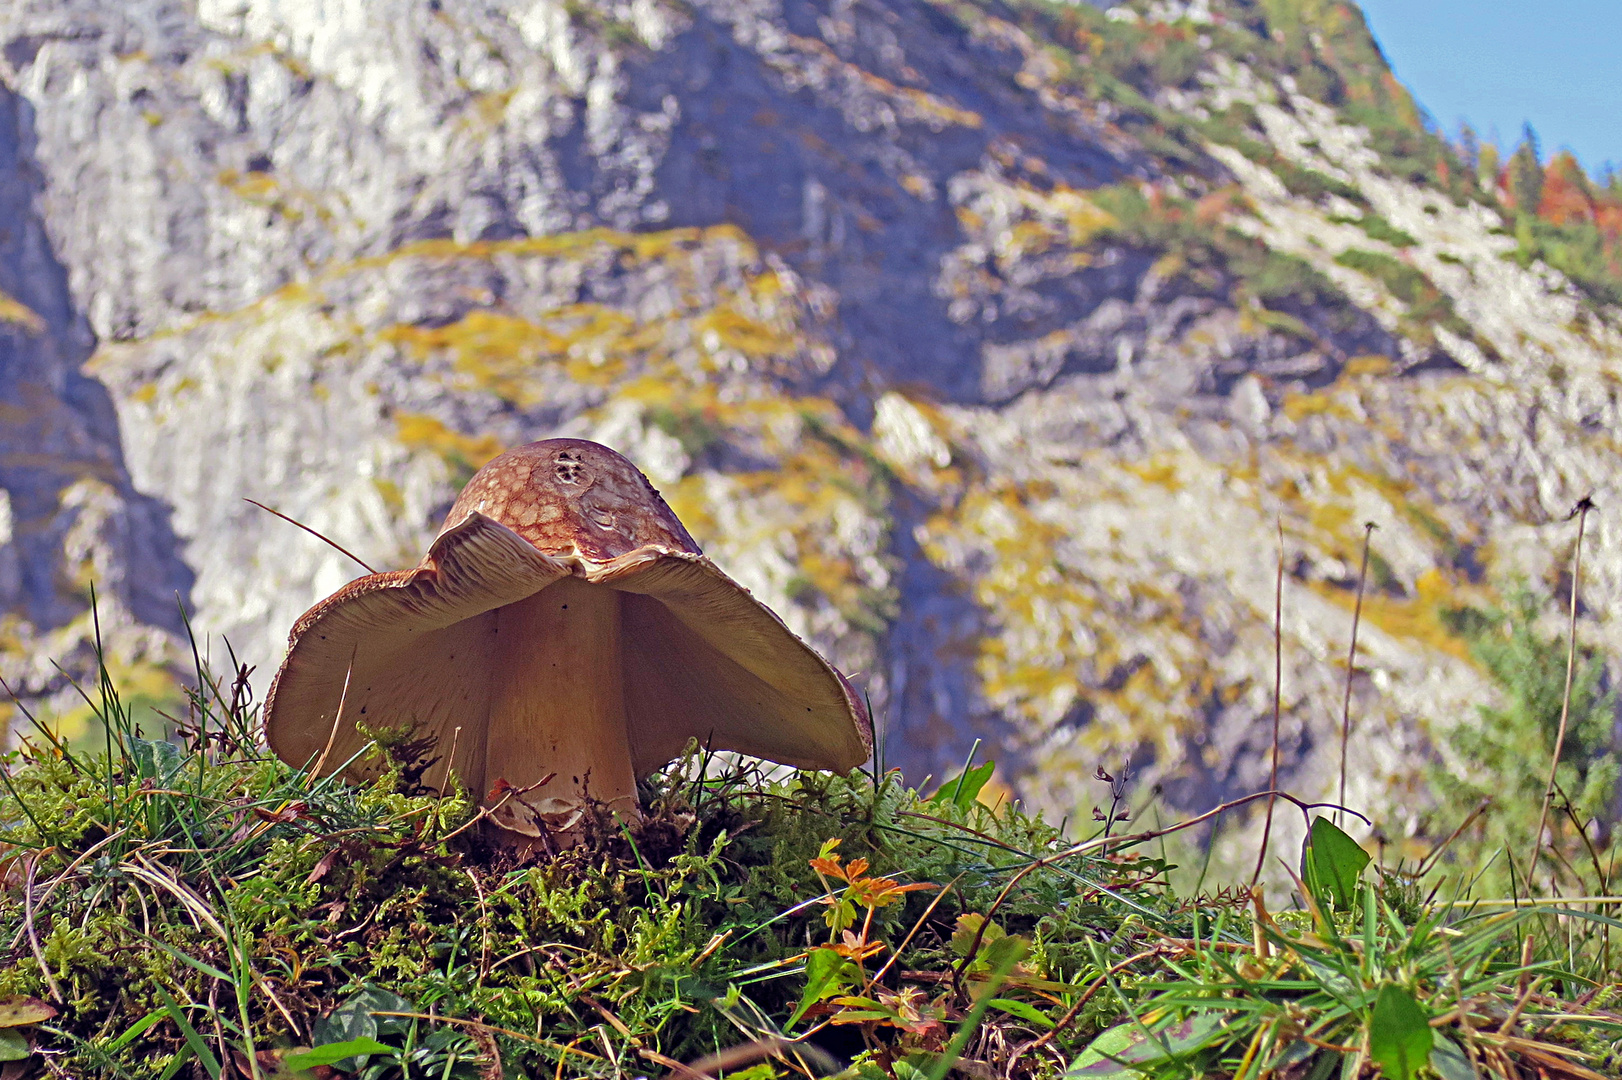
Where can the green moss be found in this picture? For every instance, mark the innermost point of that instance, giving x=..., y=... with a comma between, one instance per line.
x=266, y=899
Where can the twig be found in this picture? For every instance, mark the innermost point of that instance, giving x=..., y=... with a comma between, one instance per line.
x=734, y=1056
x=687, y=1072
x=63, y=875
x=324, y=539
x=1599, y=873
x=1580, y=512
x=1278, y=702
x=33, y=934
x=1081, y=1002
x=1351, y=663
x=1436, y=853
x=1117, y=794
x=484, y=927
x=895, y=954
x=489, y=811
x=479, y=1025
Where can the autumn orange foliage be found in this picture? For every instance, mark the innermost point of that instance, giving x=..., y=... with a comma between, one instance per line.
x=1569, y=198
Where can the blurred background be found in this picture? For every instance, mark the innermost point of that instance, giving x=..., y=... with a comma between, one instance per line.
x=996, y=345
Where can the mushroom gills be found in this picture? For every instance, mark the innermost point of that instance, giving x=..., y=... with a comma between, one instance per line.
x=557, y=707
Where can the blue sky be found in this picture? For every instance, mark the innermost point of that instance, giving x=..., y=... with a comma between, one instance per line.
x=1555, y=63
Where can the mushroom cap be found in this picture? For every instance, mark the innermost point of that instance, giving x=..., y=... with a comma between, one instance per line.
x=702, y=658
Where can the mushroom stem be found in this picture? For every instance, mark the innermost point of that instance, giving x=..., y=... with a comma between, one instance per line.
x=557, y=708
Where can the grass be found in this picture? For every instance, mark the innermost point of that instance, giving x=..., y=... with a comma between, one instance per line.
x=190, y=907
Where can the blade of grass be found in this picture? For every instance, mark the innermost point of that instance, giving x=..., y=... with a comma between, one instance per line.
x=968, y=763
x=136, y=1030
x=194, y=1041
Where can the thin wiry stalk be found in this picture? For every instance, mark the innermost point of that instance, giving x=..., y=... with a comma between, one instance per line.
x=1580, y=512
x=33, y=934
x=1278, y=705
x=1351, y=664
x=324, y=539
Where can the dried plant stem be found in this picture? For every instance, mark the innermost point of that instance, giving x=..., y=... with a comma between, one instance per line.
x=1580, y=512
x=1278, y=704
x=1351, y=665
x=324, y=539
x=1086, y=996
x=33, y=935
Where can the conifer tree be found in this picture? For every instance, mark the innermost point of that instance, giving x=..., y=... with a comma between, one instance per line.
x=1526, y=173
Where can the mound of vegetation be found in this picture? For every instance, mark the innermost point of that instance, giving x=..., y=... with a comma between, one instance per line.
x=191, y=907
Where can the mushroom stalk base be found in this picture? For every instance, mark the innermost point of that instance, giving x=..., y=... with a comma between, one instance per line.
x=557, y=709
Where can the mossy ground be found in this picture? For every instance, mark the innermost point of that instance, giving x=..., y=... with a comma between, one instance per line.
x=191, y=907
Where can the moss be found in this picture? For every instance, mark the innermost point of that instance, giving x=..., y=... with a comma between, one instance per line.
x=251, y=895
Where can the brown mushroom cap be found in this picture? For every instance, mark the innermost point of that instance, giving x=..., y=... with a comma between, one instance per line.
x=700, y=657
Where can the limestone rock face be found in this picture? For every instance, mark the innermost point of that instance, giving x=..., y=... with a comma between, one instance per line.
x=991, y=345
x=69, y=514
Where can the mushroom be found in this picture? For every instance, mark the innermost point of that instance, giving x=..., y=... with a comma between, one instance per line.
x=563, y=624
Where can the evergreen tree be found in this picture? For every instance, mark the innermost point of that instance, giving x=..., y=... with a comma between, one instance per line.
x=1526, y=173
x=1469, y=147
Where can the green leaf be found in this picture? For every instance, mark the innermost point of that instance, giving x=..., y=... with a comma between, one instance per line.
x=962, y=790
x=1342, y=987
x=1331, y=864
x=906, y=1070
x=1449, y=1061
x=1400, y=1036
x=1123, y=1048
x=826, y=974
x=136, y=1030
x=968, y=925
x=1099, y=1057
x=356, y=1020
x=841, y=914
x=1022, y=1009
x=332, y=1053
x=1005, y=952
x=155, y=759
x=764, y=1071
x=13, y=1046
x=175, y=1062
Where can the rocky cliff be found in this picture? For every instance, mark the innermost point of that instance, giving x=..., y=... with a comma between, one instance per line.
x=992, y=343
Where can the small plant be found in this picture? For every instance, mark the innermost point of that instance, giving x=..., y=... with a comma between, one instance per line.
x=1504, y=754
